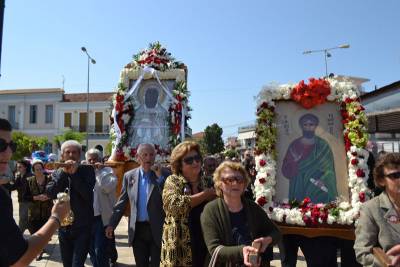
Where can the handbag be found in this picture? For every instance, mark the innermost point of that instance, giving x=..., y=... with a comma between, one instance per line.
x=214, y=256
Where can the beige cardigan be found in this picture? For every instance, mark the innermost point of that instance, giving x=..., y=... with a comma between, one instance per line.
x=374, y=229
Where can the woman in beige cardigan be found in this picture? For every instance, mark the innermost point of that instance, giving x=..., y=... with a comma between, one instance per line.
x=379, y=222
x=235, y=222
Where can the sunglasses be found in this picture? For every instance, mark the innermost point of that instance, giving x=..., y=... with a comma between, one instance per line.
x=4, y=145
x=230, y=180
x=190, y=160
x=393, y=176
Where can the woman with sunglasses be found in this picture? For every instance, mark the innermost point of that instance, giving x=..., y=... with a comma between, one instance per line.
x=233, y=222
x=379, y=222
x=184, y=196
x=40, y=207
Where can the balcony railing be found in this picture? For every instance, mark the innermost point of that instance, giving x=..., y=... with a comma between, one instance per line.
x=92, y=129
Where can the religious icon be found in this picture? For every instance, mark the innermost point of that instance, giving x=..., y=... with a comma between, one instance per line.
x=309, y=165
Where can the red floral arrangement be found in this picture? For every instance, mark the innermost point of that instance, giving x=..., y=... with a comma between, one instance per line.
x=312, y=94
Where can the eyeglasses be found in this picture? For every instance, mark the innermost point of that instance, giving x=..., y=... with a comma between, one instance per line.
x=230, y=180
x=190, y=160
x=393, y=176
x=4, y=145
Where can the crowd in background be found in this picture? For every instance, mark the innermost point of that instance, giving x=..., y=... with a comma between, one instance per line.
x=195, y=211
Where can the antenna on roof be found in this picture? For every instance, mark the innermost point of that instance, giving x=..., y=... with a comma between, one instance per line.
x=63, y=81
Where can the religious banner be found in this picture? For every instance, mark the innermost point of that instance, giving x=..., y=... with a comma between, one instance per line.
x=150, y=104
x=311, y=159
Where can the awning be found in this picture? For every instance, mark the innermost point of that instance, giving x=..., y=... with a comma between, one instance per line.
x=246, y=135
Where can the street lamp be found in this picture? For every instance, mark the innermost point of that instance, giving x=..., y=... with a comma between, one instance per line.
x=326, y=54
x=90, y=60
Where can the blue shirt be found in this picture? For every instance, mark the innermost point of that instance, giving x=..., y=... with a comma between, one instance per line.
x=143, y=191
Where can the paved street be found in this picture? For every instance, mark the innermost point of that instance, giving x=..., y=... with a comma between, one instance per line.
x=125, y=255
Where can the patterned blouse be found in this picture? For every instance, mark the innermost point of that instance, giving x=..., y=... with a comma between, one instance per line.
x=176, y=247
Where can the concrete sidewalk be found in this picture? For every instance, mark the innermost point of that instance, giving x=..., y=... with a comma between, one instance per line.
x=52, y=256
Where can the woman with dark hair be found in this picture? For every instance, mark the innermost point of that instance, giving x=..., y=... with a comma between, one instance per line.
x=379, y=222
x=21, y=184
x=184, y=196
x=40, y=206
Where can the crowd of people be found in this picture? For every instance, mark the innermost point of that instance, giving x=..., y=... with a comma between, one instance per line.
x=197, y=211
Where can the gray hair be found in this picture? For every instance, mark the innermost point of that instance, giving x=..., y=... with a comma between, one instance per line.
x=143, y=146
x=69, y=143
x=94, y=151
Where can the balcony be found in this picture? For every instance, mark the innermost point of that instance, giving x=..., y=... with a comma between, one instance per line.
x=92, y=129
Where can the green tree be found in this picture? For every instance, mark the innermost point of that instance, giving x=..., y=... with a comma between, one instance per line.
x=69, y=135
x=26, y=144
x=213, y=139
x=231, y=153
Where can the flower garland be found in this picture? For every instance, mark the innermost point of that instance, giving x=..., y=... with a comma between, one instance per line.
x=317, y=92
x=157, y=57
x=125, y=115
x=181, y=94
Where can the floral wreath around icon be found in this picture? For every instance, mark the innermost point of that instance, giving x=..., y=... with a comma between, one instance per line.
x=156, y=57
x=316, y=92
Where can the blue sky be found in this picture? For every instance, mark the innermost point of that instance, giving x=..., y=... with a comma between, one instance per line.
x=231, y=47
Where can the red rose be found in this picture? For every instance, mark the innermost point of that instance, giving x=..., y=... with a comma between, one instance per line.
x=119, y=98
x=262, y=180
x=306, y=201
x=133, y=152
x=360, y=173
x=262, y=163
x=262, y=201
x=307, y=219
x=361, y=195
x=354, y=161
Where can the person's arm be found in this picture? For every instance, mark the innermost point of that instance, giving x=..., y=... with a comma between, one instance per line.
x=205, y=195
x=39, y=240
x=366, y=238
x=212, y=236
x=27, y=196
x=119, y=207
x=57, y=184
x=270, y=232
x=175, y=202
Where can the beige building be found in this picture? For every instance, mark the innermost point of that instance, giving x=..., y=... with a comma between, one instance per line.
x=49, y=112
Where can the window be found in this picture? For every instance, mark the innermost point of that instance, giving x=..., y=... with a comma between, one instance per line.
x=67, y=120
x=49, y=114
x=32, y=113
x=11, y=116
x=82, y=121
x=98, y=127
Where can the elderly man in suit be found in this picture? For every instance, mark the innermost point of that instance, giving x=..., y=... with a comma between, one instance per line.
x=142, y=188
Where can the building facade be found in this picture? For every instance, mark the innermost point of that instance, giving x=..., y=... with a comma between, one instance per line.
x=382, y=107
x=50, y=112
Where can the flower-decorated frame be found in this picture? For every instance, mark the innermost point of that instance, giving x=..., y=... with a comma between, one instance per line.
x=152, y=63
x=316, y=92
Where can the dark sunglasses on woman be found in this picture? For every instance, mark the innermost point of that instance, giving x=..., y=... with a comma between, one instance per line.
x=393, y=176
x=230, y=180
x=190, y=160
x=4, y=145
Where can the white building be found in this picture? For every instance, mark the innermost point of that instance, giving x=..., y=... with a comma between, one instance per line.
x=49, y=112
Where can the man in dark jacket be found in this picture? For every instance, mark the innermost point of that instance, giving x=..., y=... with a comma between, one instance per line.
x=79, y=179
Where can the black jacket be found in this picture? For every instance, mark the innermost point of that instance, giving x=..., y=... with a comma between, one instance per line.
x=81, y=191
